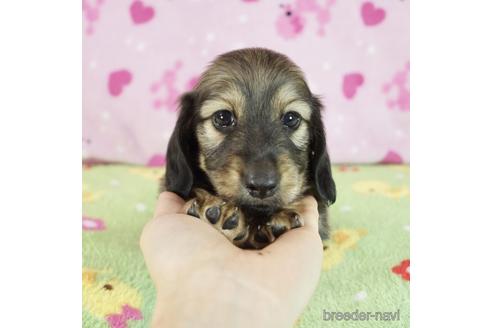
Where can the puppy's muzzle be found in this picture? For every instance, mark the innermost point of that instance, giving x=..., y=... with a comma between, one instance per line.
x=261, y=179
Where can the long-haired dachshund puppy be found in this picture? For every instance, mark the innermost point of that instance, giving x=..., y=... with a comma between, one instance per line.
x=248, y=144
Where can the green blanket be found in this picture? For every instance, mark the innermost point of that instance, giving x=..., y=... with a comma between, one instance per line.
x=365, y=278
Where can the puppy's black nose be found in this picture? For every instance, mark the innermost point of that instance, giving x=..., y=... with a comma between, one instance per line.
x=261, y=182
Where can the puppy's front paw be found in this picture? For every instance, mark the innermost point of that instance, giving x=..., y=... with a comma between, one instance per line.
x=280, y=223
x=223, y=216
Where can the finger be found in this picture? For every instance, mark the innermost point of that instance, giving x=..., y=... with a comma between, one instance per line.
x=303, y=240
x=308, y=210
x=168, y=203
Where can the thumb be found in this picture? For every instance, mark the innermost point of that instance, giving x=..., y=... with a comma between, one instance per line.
x=308, y=210
x=168, y=203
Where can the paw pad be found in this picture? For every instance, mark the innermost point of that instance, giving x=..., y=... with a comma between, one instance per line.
x=241, y=236
x=278, y=230
x=232, y=222
x=213, y=214
x=193, y=210
x=296, y=221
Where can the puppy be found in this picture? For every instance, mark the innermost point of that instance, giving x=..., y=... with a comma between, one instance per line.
x=248, y=144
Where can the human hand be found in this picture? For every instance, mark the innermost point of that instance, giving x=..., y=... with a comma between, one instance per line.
x=203, y=279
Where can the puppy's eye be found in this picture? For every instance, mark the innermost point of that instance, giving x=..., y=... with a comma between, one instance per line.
x=224, y=119
x=291, y=120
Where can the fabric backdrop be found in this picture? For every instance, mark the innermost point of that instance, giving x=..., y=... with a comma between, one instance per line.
x=139, y=56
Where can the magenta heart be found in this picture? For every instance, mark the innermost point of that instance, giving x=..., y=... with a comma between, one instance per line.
x=141, y=13
x=157, y=160
x=117, y=80
x=392, y=157
x=350, y=84
x=372, y=15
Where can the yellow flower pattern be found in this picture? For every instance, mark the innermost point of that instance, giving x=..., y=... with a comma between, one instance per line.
x=340, y=242
x=148, y=173
x=89, y=196
x=103, y=294
x=380, y=188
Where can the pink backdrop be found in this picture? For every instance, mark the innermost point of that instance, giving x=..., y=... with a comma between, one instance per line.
x=139, y=56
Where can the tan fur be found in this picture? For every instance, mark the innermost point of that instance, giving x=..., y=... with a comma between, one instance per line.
x=292, y=181
x=228, y=180
x=300, y=107
x=230, y=98
x=208, y=136
x=300, y=137
x=287, y=98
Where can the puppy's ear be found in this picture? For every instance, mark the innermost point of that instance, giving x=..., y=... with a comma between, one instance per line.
x=182, y=149
x=319, y=161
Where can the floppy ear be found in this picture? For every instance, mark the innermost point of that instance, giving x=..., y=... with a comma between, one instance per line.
x=319, y=161
x=182, y=150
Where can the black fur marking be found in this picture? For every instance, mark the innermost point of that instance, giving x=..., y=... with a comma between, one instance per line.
x=260, y=237
x=319, y=166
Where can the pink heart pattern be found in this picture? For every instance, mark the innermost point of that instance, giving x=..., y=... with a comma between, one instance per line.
x=146, y=38
x=351, y=82
x=371, y=15
x=392, y=157
x=117, y=81
x=92, y=224
x=157, y=160
x=141, y=13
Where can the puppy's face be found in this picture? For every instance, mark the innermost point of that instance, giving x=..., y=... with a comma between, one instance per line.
x=253, y=132
x=258, y=132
